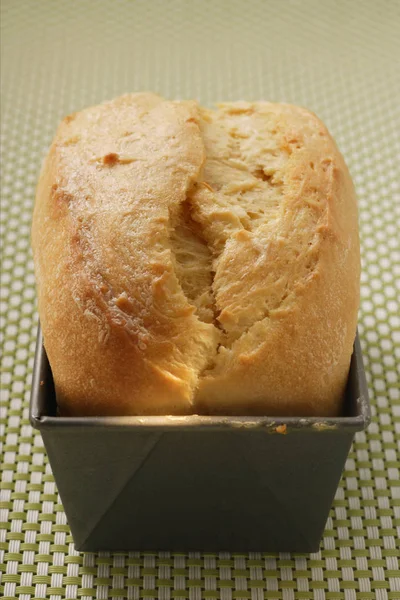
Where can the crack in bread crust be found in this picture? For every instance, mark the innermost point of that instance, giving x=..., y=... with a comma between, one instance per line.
x=237, y=260
x=258, y=258
x=192, y=261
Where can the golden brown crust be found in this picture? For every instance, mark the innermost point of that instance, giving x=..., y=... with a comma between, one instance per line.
x=196, y=261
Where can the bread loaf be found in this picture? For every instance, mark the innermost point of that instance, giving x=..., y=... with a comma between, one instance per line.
x=196, y=261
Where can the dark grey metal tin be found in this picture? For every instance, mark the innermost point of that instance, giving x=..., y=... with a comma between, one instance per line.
x=197, y=483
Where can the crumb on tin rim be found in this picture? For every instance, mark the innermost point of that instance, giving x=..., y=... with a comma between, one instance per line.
x=281, y=429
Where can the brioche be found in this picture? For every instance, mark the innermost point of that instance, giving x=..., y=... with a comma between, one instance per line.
x=196, y=261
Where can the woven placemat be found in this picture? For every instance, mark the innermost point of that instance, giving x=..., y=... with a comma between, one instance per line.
x=341, y=59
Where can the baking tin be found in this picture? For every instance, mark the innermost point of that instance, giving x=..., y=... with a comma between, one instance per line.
x=197, y=483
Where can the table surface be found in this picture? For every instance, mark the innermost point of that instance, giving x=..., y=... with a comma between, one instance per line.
x=340, y=59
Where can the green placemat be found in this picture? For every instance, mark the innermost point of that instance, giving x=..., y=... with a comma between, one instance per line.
x=341, y=59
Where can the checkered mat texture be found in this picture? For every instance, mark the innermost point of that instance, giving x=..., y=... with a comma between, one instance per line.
x=342, y=60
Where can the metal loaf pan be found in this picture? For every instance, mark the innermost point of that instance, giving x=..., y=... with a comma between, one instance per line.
x=197, y=483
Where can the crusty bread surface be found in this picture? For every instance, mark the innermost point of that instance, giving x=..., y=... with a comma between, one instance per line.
x=196, y=261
